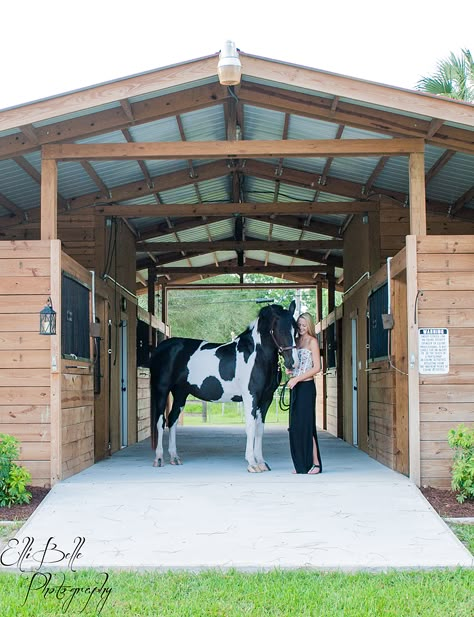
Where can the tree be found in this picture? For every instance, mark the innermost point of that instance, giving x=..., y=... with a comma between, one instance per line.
x=453, y=78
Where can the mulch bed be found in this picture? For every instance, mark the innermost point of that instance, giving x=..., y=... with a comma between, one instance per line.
x=22, y=512
x=446, y=504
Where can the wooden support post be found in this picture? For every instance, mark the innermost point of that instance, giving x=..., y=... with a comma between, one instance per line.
x=164, y=303
x=319, y=303
x=417, y=194
x=55, y=367
x=331, y=293
x=49, y=200
x=413, y=375
x=151, y=304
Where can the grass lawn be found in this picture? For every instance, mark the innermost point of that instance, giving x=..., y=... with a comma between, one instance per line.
x=228, y=413
x=465, y=533
x=276, y=593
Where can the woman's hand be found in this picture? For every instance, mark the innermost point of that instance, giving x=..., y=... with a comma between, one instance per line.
x=292, y=382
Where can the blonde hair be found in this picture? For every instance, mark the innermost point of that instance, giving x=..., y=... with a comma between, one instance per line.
x=309, y=322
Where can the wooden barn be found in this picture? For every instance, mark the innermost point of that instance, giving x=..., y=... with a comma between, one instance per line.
x=158, y=180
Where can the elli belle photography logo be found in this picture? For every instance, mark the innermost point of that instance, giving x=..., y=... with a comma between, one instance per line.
x=33, y=559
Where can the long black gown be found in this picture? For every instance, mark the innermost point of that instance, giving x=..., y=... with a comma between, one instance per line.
x=302, y=428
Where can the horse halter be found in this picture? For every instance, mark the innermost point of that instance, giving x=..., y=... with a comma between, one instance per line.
x=278, y=346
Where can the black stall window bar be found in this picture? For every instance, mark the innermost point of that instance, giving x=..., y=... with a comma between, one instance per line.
x=378, y=337
x=75, y=319
x=331, y=346
x=143, y=345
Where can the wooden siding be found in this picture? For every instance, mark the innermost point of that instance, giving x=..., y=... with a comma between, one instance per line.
x=143, y=403
x=395, y=226
x=77, y=398
x=77, y=233
x=381, y=410
x=77, y=418
x=445, y=279
x=331, y=402
x=25, y=355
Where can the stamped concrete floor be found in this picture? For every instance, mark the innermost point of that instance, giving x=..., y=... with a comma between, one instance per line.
x=210, y=512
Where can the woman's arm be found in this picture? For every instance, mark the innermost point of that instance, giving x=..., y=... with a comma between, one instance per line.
x=314, y=370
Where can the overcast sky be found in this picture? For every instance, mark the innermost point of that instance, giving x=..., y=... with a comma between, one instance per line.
x=49, y=47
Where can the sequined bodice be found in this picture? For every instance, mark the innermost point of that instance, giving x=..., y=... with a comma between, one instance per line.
x=305, y=361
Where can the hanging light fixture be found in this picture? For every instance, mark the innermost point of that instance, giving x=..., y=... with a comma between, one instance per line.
x=229, y=67
x=48, y=319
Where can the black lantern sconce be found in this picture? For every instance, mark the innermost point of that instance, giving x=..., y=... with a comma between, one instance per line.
x=48, y=319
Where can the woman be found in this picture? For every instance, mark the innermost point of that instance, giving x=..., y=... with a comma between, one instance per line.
x=303, y=438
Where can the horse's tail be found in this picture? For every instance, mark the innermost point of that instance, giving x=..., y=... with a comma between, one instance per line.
x=153, y=403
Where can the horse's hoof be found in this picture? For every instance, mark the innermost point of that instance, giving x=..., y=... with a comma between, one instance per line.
x=158, y=462
x=176, y=461
x=254, y=469
x=264, y=466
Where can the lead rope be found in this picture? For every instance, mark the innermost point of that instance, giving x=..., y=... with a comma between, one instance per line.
x=283, y=405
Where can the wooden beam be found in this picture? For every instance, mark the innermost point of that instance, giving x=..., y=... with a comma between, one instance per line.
x=242, y=245
x=11, y=207
x=233, y=149
x=229, y=286
x=49, y=200
x=417, y=194
x=462, y=201
x=234, y=209
x=380, y=121
x=143, y=83
x=87, y=125
x=351, y=88
x=342, y=188
x=248, y=269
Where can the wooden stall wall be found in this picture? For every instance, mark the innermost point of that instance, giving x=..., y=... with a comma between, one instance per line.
x=382, y=406
x=77, y=397
x=395, y=226
x=115, y=244
x=76, y=231
x=357, y=267
x=25, y=411
x=143, y=403
x=329, y=403
x=446, y=300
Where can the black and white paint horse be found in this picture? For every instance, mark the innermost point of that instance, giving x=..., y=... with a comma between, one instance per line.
x=246, y=369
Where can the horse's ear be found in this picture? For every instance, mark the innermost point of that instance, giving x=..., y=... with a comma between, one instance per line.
x=292, y=307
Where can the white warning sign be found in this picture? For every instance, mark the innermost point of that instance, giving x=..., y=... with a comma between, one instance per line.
x=433, y=351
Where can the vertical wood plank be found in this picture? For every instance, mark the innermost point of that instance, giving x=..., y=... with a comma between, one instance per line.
x=164, y=303
x=417, y=194
x=319, y=303
x=399, y=351
x=413, y=375
x=55, y=382
x=49, y=200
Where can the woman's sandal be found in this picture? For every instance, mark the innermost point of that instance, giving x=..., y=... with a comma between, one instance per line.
x=315, y=469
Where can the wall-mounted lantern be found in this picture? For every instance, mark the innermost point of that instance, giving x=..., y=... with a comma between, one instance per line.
x=48, y=319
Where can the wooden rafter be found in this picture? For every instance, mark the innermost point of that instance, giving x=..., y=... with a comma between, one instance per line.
x=143, y=168
x=13, y=208
x=115, y=119
x=439, y=164
x=367, y=118
x=462, y=201
x=36, y=176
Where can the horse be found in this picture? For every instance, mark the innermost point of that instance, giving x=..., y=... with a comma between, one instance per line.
x=245, y=369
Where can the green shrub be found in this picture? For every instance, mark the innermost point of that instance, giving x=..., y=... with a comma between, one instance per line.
x=461, y=440
x=13, y=478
